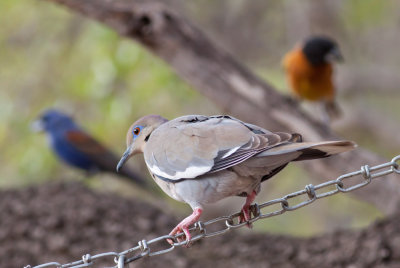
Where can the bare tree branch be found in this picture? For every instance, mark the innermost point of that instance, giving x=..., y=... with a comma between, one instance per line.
x=229, y=84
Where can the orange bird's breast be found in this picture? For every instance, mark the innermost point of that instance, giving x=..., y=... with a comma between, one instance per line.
x=313, y=83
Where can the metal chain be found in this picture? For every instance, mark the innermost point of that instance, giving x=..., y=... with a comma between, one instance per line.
x=201, y=230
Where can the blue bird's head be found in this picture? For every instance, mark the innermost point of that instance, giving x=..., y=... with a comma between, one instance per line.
x=53, y=121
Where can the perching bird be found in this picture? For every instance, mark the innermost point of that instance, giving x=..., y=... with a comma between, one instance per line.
x=200, y=159
x=77, y=148
x=309, y=73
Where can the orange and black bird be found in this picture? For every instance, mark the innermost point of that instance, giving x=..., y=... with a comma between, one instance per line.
x=309, y=72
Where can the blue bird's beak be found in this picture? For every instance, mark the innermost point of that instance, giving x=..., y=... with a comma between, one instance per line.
x=123, y=159
x=37, y=126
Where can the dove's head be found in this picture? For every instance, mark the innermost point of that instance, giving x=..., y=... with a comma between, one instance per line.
x=138, y=134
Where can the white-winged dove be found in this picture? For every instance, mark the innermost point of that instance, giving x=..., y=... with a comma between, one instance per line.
x=200, y=159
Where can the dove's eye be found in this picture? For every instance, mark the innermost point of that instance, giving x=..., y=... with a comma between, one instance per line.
x=136, y=131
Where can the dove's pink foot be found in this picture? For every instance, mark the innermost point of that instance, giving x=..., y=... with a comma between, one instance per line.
x=246, y=208
x=184, y=225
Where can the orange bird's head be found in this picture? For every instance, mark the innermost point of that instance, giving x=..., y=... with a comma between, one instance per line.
x=321, y=49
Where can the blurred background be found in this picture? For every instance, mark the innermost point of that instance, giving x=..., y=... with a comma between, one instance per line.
x=50, y=57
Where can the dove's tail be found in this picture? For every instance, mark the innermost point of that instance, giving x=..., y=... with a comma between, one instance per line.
x=280, y=156
x=310, y=150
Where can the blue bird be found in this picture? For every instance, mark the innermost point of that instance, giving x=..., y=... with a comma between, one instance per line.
x=77, y=148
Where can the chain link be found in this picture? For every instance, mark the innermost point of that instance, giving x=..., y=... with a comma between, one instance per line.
x=200, y=229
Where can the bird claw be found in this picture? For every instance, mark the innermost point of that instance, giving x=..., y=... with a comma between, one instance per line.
x=183, y=226
x=178, y=230
x=181, y=237
x=245, y=216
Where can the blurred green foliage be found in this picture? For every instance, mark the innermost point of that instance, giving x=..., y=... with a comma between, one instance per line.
x=364, y=14
x=50, y=57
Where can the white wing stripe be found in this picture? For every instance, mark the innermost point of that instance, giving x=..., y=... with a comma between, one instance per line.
x=231, y=151
x=188, y=173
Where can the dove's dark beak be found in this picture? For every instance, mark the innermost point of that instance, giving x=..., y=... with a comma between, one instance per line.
x=123, y=159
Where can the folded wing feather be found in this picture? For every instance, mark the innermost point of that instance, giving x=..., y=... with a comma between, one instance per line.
x=190, y=146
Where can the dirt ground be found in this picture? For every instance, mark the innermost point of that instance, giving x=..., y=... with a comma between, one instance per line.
x=63, y=221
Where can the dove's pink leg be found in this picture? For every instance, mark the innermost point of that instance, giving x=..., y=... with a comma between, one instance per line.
x=246, y=208
x=185, y=223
